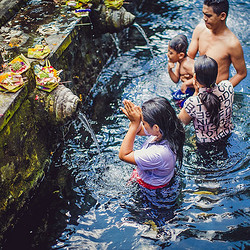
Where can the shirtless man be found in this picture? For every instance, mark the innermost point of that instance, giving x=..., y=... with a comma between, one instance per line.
x=215, y=40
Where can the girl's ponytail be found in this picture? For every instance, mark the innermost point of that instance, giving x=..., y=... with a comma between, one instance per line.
x=206, y=70
x=212, y=104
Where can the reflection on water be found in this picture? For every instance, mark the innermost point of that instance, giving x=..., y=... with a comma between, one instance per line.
x=86, y=202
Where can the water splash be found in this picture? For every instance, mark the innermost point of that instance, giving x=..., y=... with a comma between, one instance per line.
x=88, y=127
x=142, y=32
x=116, y=42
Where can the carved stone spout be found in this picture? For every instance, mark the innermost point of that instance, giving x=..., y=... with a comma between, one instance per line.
x=65, y=104
x=59, y=105
x=112, y=20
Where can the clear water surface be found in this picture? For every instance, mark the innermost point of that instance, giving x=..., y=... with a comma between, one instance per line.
x=85, y=202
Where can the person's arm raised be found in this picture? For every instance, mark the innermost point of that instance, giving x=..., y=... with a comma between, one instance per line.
x=133, y=113
x=175, y=76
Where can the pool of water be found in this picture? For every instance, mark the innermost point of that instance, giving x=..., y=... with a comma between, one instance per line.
x=85, y=201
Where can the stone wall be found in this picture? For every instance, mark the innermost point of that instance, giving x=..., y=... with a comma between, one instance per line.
x=30, y=120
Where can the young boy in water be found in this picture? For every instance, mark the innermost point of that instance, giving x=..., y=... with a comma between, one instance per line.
x=177, y=56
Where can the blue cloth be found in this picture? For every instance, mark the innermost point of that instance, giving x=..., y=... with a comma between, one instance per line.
x=180, y=97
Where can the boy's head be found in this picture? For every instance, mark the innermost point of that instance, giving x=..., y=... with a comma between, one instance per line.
x=218, y=6
x=177, y=48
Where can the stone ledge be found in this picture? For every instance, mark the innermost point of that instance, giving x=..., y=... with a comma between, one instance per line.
x=9, y=103
x=9, y=8
x=58, y=43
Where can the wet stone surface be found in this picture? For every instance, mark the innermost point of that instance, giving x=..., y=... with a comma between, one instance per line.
x=9, y=8
x=37, y=22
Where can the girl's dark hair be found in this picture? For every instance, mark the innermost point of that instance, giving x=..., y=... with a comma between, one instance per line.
x=159, y=111
x=206, y=70
x=179, y=43
x=218, y=6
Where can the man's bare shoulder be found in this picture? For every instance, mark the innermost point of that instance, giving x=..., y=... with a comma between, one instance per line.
x=200, y=28
x=232, y=40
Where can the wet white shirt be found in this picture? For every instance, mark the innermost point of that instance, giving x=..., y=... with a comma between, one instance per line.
x=155, y=162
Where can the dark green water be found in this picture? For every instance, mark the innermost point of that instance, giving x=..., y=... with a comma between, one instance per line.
x=85, y=203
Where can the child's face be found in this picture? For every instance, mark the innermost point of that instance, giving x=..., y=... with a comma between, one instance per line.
x=150, y=130
x=173, y=56
x=147, y=127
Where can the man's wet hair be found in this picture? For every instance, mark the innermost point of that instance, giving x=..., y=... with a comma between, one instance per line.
x=179, y=43
x=218, y=6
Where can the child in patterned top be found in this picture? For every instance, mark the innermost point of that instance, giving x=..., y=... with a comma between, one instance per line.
x=210, y=107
